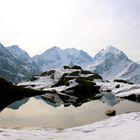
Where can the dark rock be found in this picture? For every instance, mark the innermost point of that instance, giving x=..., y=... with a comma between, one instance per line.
x=110, y=112
x=75, y=73
x=94, y=76
x=61, y=81
x=122, y=81
x=33, y=78
x=117, y=86
x=76, y=67
x=133, y=97
x=52, y=76
x=66, y=67
x=48, y=73
x=33, y=85
x=84, y=87
x=53, y=91
x=65, y=78
x=84, y=81
x=86, y=72
x=108, y=90
x=73, y=67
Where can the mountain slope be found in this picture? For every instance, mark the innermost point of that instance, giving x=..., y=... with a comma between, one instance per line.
x=109, y=62
x=55, y=58
x=30, y=65
x=131, y=73
x=12, y=68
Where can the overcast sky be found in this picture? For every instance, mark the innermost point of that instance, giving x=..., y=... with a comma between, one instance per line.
x=36, y=25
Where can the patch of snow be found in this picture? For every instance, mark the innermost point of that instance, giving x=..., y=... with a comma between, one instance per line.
x=45, y=82
x=127, y=93
x=124, y=89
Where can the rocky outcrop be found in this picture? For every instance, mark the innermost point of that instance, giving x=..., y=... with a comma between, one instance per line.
x=10, y=93
x=83, y=87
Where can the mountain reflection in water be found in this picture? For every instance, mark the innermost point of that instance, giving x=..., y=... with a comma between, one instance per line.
x=58, y=99
x=61, y=111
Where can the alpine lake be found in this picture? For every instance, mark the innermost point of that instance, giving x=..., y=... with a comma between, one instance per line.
x=63, y=111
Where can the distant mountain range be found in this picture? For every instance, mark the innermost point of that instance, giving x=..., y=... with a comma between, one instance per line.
x=16, y=65
x=56, y=58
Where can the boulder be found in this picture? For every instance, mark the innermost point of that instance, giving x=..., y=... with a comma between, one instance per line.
x=110, y=112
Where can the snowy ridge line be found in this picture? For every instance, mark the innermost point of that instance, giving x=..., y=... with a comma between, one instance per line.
x=110, y=63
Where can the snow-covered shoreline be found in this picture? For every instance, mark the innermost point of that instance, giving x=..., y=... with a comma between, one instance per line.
x=120, y=127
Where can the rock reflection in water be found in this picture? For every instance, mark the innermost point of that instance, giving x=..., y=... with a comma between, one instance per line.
x=110, y=99
x=57, y=99
x=37, y=112
x=17, y=104
x=133, y=97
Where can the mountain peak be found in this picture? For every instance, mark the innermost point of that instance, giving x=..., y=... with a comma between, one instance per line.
x=2, y=46
x=55, y=58
x=18, y=52
x=110, y=53
x=109, y=62
x=55, y=47
x=15, y=46
x=111, y=48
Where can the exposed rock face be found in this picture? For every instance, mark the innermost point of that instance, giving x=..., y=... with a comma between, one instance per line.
x=84, y=87
x=85, y=84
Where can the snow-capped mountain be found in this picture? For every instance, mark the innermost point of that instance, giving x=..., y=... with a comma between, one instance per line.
x=12, y=68
x=109, y=62
x=29, y=64
x=55, y=58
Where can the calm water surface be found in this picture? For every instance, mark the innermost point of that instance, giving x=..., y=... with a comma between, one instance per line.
x=37, y=113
